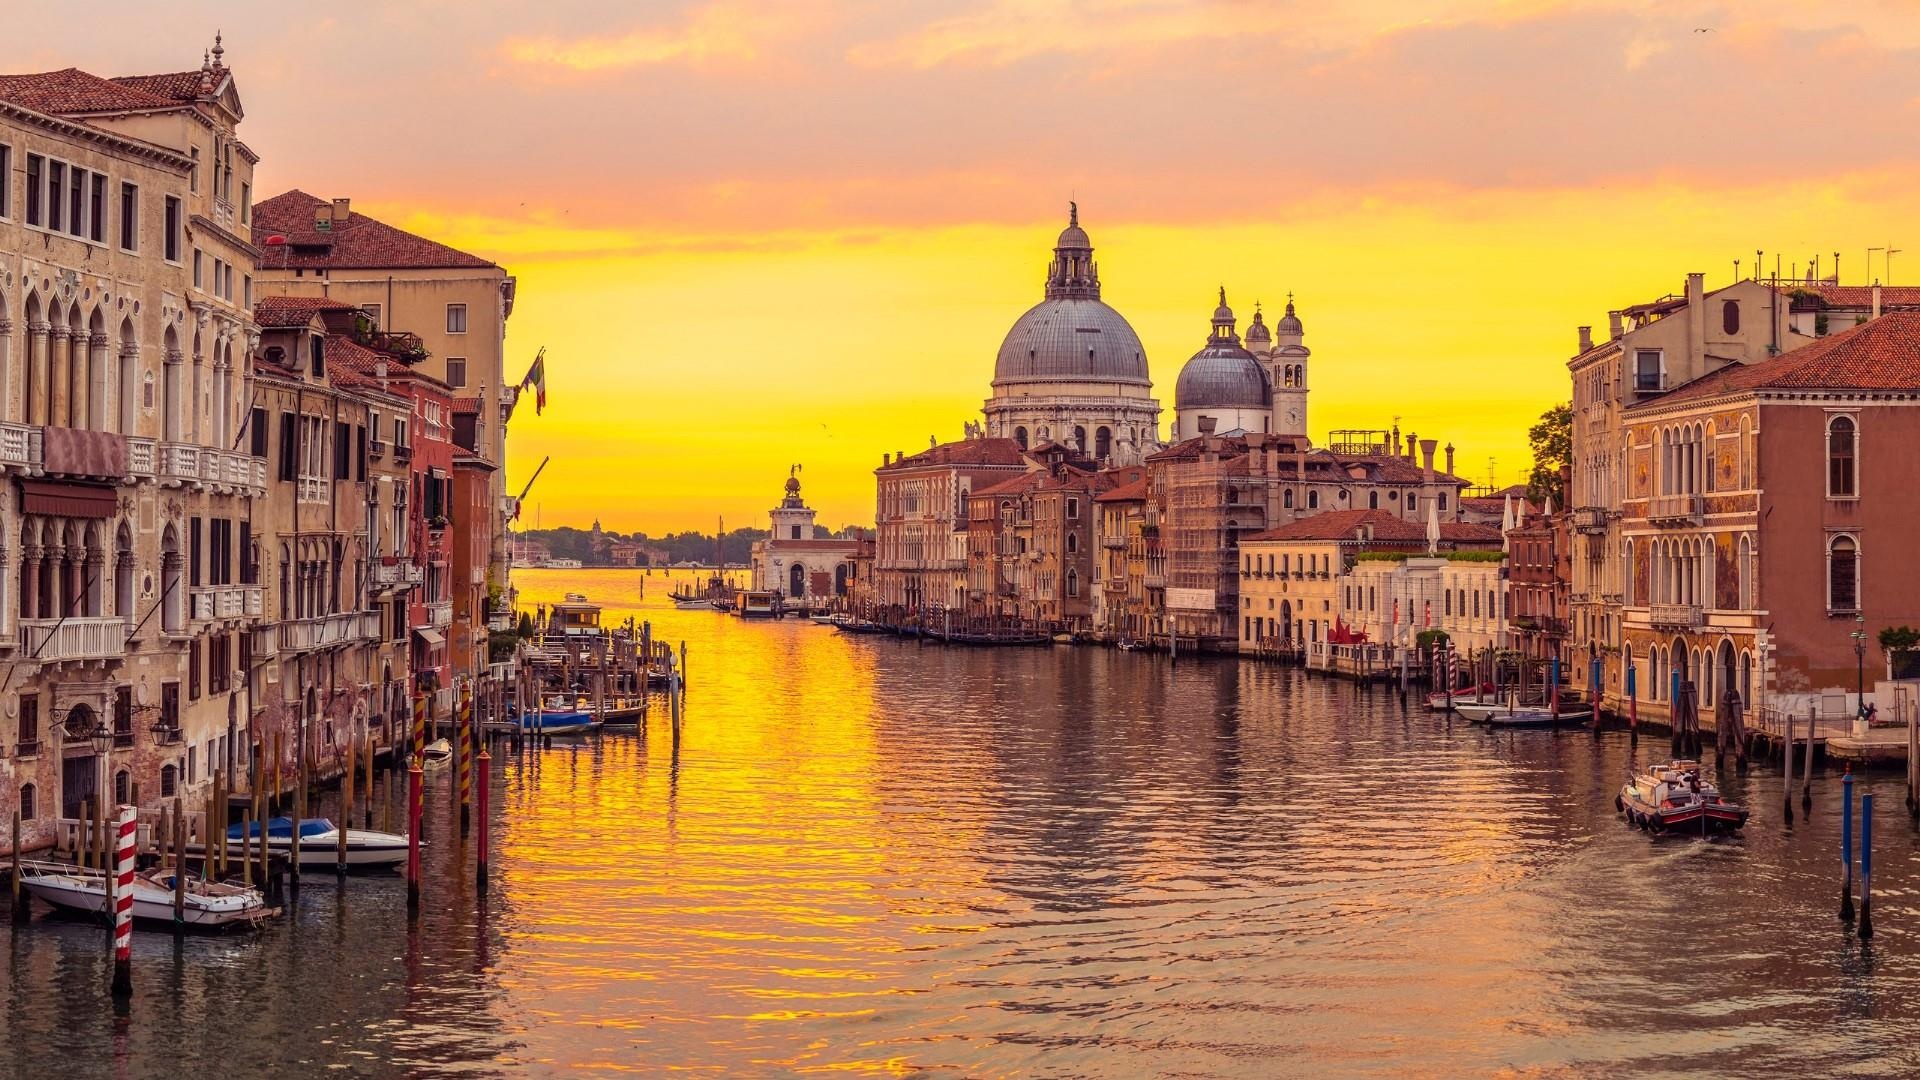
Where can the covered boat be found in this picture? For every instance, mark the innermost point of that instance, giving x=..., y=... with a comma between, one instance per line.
x=320, y=842
x=1675, y=797
x=206, y=905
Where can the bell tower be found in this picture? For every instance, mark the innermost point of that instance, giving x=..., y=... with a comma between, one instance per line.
x=1287, y=364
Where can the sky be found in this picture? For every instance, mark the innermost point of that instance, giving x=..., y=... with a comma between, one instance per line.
x=758, y=235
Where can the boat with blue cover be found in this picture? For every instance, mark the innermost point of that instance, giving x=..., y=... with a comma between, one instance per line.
x=320, y=842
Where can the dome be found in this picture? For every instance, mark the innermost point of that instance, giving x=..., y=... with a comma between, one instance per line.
x=793, y=485
x=1071, y=339
x=1257, y=334
x=1289, y=323
x=1221, y=377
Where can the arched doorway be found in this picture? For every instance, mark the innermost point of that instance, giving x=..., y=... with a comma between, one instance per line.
x=840, y=580
x=1677, y=666
x=1286, y=620
x=796, y=581
x=79, y=766
x=1728, y=675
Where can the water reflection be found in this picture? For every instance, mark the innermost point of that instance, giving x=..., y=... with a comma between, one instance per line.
x=870, y=855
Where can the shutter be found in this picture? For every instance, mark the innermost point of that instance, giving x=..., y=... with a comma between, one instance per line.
x=288, y=446
x=257, y=431
x=360, y=459
x=193, y=552
x=248, y=571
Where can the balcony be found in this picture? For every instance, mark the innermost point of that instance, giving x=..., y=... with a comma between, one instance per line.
x=324, y=631
x=440, y=614
x=402, y=453
x=396, y=573
x=20, y=446
x=1113, y=543
x=1674, y=509
x=377, y=447
x=53, y=641
x=142, y=456
x=205, y=467
x=1154, y=581
x=313, y=489
x=266, y=640
x=227, y=602
x=1674, y=616
x=1590, y=519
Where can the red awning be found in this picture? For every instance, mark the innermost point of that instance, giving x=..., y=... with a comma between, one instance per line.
x=67, y=500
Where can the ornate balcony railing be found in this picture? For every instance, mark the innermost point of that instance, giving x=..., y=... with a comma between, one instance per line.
x=1676, y=616
x=1674, y=509
x=51, y=641
x=142, y=457
x=227, y=602
x=1590, y=519
x=19, y=446
x=319, y=632
x=396, y=573
x=440, y=614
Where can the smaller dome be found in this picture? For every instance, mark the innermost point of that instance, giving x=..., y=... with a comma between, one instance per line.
x=793, y=485
x=1257, y=333
x=1221, y=378
x=1289, y=323
x=1223, y=313
x=1073, y=236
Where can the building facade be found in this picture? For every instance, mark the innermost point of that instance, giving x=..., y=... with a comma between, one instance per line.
x=920, y=522
x=795, y=561
x=1260, y=386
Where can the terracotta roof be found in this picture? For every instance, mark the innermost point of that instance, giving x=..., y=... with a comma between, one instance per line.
x=1883, y=354
x=292, y=312
x=360, y=242
x=1387, y=528
x=352, y=364
x=71, y=90
x=1015, y=485
x=466, y=405
x=173, y=85
x=964, y=452
x=812, y=545
x=1856, y=296
x=1134, y=492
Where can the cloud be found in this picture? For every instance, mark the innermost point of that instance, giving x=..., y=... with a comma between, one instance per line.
x=720, y=31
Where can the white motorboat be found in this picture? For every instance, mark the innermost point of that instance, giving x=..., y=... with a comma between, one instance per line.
x=320, y=843
x=206, y=904
x=437, y=752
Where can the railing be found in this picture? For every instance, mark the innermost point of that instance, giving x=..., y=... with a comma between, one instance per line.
x=376, y=447
x=313, y=489
x=1113, y=543
x=402, y=452
x=266, y=640
x=19, y=445
x=1674, y=509
x=1826, y=724
x=1590, y=519
x=1681, y=616
x=50, y=641
x=398, y=573
x=179, y=462
x=142, y=454
x=1154, y=581
x=300, y=635
x=227, y=602
x=440, y=614
x=223, y=214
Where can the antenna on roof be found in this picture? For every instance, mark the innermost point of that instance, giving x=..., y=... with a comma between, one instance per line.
x=1736, y=269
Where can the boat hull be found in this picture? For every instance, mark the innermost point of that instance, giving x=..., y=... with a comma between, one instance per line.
x=87, y=896
x=1719, y=817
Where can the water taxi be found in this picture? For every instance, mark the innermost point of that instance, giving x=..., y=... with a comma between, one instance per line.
x=320, y=842
x=1675, y=797
x=757, y=604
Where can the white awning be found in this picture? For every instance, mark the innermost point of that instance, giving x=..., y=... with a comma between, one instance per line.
x=428, y=634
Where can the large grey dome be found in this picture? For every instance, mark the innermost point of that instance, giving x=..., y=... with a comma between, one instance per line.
x=1221, y=377
x=1070, y=339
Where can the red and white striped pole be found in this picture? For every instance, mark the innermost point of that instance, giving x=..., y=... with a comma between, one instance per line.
x=123, y=905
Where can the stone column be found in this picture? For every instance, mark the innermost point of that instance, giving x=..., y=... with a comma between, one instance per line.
x=33, y=403
x=171, y=412
x=91, y=392
x=73, y=604
x=93, y=582
x=126, y=406
x=30, y=581
x=6, y=365
x=60, y=377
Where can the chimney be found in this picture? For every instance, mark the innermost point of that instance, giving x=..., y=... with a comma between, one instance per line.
x=1614, y=330
x=1696, y=323
x=1206, y=425
x=886, y=459
x=341, y=209
x=1876, y=301
x=1450, y=471
x=1586, y=338
x=1427, y=447
x=1410, y=439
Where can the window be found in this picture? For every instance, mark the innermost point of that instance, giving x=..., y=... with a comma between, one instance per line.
x=1841, y=479
x=129, y=217
x=193, y=177
x=36, y=168
x=246, y=204
x=29, y=723
x=122, y=787
x=456, y=318
x=199, y=278
x=456, y=371
x=1313, y=500
x=246, y=291
x=169, y=780
x=97, y=209
x=1073, y=509
x=6, y=181
x=76, y=200
x=56, y=184
x=1730, y=316
x=123, y=716
x=28, y=800
x=1647, y=374
x=287, y=446
x=1843, y=574
x=193, y=670
x=171, y=245
x=170, y=706
x=317, y=356
x=373, y=312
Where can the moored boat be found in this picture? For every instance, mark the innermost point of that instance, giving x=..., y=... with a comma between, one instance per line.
x=320, y=842
x=206, y=905
x=1464, y=695
x=558, y=721
x=437, y=752
x=1675, y=798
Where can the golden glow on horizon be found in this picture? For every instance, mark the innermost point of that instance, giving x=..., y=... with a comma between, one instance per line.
x=684, y=377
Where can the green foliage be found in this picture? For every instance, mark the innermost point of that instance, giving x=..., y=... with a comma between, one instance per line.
x=1899, y=637
x=525, y=629
x=501, y=645
x=1427, y=640
x=1552, y=443
x=1450, y=556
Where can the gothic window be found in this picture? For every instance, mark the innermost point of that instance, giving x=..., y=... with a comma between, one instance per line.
x=1730, y=316
x=29, y=808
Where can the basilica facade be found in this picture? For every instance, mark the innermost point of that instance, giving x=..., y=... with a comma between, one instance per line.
x=1072, y=371
x=1259, y=386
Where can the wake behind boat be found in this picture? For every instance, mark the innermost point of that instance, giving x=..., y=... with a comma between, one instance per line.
x=206, y=905
x=1675, y=798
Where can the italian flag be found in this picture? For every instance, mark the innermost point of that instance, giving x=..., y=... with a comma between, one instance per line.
x=537, y=378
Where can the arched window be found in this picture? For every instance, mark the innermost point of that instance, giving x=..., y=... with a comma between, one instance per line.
x=29, y=802
x=1073, y=583
x=1102, y=442
x=1841, y=466
x=1313, y=500
x=1843, y=574
x=1286, y=498
x=1079, y=438
x=122, y=787
x=1073, y=543
x=1020, y=436
x=169, y=778
x=1746, y=679
x=1730, y=316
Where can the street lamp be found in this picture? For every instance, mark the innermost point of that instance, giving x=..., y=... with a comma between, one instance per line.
x=1860, y=660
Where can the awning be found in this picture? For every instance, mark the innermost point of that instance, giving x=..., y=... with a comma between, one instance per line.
x=67, y=500
x=432, y=637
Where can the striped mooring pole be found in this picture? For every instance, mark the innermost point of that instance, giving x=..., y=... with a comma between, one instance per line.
x=419, y=725
x=464, y=732
x=123, y=905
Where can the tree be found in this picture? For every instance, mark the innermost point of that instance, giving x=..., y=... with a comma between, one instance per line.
x=1552, y=443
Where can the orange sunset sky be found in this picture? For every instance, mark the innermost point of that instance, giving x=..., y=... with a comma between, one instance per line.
x=751, y=235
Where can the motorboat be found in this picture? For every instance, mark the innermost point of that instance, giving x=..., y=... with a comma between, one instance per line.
x=758, y=604
x=320, y=842
x=1675, y=797
x=688, y=601
x=1464, y=695
x=437, y=752
x=552, y=721
x=822, y=618
x=205, y=904
x=1511, y=712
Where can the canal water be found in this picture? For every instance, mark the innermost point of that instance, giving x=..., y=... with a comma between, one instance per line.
x=868, y=855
